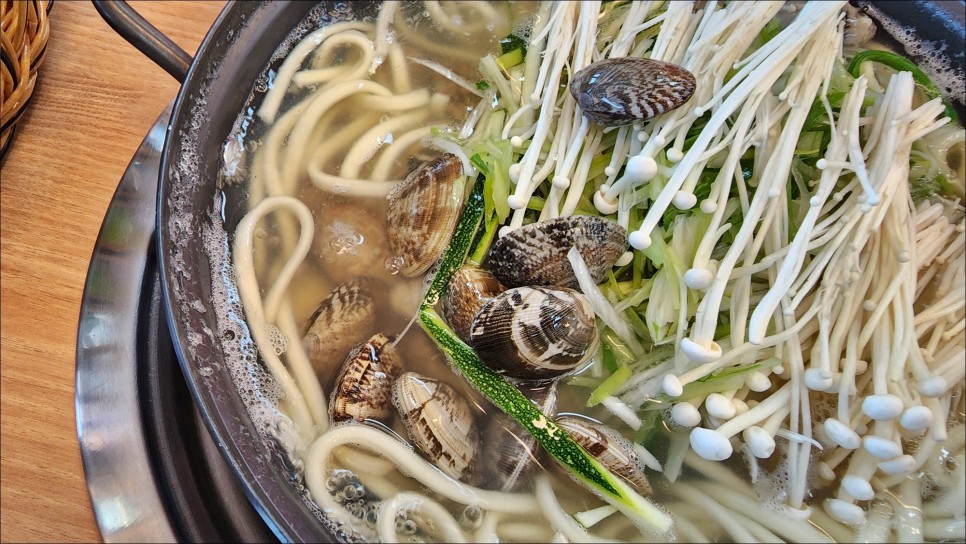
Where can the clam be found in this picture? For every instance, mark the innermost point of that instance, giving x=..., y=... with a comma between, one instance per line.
x=343, y=319
x=624, y=90
x=536, y=254
x=350, y=240
x=535, y=333
x=439, y=422
x=364, y=385
x=423, y=211
x=859, y=27
x=610, y=448
x=514, y=455
x=469, y=289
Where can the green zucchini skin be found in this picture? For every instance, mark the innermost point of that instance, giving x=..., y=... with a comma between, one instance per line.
x=459, y=244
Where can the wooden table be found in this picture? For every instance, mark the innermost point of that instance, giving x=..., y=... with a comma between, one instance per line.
x=95, y=101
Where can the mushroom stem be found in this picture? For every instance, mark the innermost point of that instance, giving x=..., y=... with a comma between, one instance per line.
x=856, y=483
x=714, y=445
x=878, y=528
x=908, y=518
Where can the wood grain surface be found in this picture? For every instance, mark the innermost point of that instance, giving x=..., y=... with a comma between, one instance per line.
x=96, y=99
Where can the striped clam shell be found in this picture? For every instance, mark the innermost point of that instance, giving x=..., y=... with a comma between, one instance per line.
x=439, y=422
x=536, y=254
x=624, y=90
x=343, y=319
x=513, y=455
x=859, y=27
x=469, y=289
x=610, y=448
x=423, y=210
x=535, y=333
x=364, y=385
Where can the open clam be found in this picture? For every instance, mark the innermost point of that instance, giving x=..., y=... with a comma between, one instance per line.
x=423, y=211
x=343, y=319
x=609, y=447
x=535, y=333
x=439, y=422
x=536, y=254
x=364, y=385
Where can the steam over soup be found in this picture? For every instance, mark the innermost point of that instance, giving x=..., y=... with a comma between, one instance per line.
x=580, y=271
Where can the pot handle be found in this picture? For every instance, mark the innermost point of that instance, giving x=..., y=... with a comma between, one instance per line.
x=145, y=37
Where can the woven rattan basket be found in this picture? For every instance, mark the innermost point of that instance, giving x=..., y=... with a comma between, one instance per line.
x=25, y=32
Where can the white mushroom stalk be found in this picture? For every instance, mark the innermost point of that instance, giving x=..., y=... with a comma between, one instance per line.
x=756, y=76
x=715, y=47
x=866, y=342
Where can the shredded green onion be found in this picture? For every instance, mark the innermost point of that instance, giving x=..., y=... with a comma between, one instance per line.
x=610, y=385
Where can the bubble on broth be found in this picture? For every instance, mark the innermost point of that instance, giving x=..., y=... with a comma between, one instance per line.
x=932, y=57
x=278, y=339
x=259, y=390
x=524, y=28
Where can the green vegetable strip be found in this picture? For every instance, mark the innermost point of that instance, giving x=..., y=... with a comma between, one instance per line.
x=614, y=344
x=723, y=380
x=902, y=64
x=611, y=384
x=505, y=396
x=511, y=59
x=484, y=240
x=480, y=164
x=459, y=245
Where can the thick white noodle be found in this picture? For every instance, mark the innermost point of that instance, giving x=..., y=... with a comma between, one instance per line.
x=442, y=50
x=358, y=69
x=436, y=520
x=317, y=468
x=298, y=140
x=273, y=100
x=302, y=369
x=349, y=186
x=391, y=155
x=382, y=134
x=260, y=315
x=484, y=17
x=523, y=531
x=361, y=462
